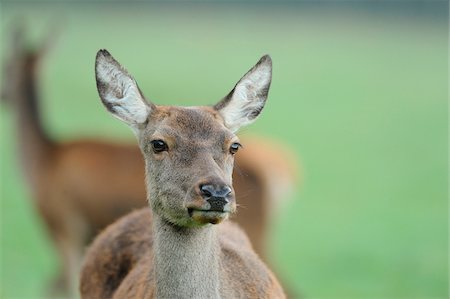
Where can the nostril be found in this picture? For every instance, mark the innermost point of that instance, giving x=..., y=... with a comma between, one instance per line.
x=226, y=191
x=206, y=190
x=222, y=192
x=219, y=191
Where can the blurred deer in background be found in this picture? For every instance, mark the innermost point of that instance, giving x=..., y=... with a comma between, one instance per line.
x=185, y=248
x=80, y=187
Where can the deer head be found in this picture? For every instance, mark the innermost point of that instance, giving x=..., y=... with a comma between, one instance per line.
x=188, y=151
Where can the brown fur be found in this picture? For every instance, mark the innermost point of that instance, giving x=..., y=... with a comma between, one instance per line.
x=117, y=259
x=178, y=251
x=80, y=187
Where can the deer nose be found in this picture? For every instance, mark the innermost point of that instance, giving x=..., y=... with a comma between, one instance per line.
x=218, y=191
x=216, y=195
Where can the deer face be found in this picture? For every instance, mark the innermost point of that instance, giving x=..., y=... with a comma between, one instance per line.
x=189, y=162
x=188, y=151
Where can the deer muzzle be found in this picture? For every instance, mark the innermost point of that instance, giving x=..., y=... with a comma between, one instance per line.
x=214, y=203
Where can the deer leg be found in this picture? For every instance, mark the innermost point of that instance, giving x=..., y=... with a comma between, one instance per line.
x=71, y=257
x=68, y=231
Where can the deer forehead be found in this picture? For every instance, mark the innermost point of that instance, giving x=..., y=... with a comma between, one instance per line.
x=197, y=125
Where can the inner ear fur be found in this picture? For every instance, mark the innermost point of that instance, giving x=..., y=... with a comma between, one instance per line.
x=247, y=99
x=119, y=91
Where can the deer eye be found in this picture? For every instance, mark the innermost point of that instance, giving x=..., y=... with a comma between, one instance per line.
x=159, y=146
x=235, y=147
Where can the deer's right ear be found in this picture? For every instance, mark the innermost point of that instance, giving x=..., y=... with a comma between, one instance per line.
x=119, y=91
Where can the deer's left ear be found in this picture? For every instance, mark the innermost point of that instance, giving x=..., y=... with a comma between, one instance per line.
x=245, y=102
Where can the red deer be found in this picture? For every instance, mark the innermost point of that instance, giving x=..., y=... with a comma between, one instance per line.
x=184, y=248
x=82, y=186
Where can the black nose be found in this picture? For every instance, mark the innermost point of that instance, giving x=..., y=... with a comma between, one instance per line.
x=219, y=191
x=216, y=195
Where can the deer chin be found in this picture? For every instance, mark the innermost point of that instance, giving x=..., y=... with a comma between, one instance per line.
x=207, y=216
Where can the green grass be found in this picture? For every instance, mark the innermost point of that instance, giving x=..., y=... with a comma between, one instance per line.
x=360, y=98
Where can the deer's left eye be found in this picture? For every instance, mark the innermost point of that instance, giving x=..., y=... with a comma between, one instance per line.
x=159, y=146
x=235, y=147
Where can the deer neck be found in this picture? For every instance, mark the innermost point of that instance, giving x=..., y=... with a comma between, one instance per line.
x=186, y=261
x=33, y=142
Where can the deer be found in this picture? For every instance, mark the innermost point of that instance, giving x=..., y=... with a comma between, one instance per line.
x=81, y=186
x=183, y=246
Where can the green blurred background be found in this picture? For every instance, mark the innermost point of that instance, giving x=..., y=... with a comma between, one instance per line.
x=359, y=92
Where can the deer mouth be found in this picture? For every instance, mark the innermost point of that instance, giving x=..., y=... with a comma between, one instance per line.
x=207, y=216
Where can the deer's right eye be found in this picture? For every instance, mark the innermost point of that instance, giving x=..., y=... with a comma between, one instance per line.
x=235, y=147
x=159, y=146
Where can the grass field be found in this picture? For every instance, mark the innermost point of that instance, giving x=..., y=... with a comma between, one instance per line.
x=360, y=96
